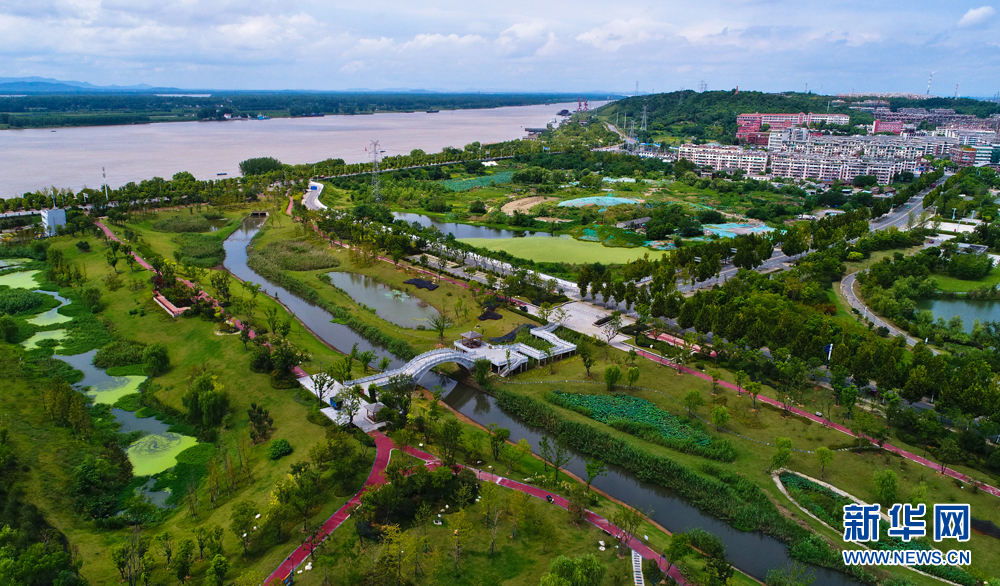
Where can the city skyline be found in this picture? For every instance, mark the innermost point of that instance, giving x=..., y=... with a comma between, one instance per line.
x=768, y=45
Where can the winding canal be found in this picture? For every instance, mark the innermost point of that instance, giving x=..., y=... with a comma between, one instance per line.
x=753, y=553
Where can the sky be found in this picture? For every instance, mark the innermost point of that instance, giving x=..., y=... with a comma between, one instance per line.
x=509, y=45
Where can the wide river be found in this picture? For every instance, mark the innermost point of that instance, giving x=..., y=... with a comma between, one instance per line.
x=72, y=157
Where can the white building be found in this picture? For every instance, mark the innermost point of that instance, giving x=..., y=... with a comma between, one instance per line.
x=725, y=157
x=832, y=168
x=52, y=219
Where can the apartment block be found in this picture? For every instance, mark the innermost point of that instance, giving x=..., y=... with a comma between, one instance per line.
x=832, y=168
x=725, y=157
x=748, y=123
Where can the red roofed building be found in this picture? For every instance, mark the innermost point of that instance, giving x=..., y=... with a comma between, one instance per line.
x=748, y=123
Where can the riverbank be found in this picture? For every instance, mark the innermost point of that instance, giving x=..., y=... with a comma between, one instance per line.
x=73, y=157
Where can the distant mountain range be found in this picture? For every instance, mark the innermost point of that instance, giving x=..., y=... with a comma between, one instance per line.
x=45, y=85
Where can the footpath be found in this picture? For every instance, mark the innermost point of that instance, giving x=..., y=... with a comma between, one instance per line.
x=383, y=447
x=813, y=417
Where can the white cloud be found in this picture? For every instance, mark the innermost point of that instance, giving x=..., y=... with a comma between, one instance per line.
x=977, y=16
x=525, y=39
x=620, y=33
x=437, y=40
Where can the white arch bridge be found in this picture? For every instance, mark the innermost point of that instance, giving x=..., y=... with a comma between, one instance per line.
x=504, y=359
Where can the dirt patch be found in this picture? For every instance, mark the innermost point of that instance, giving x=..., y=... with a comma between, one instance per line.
x=525, y=204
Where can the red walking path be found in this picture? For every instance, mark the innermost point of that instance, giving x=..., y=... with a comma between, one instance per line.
x=174, y=311
x=383, y=447
x=813, y=417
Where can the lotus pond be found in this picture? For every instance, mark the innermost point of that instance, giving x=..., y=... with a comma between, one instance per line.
x=612, y=408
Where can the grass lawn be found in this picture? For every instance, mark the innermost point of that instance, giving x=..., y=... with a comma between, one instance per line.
x=850, y=471
x=954, y=285
x=191, y=344
x=568, y=250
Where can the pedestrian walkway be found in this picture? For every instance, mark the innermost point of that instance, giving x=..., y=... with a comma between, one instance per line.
x=813, y=417
x=384, y=446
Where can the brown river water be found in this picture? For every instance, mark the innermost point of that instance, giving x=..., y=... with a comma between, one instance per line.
x=72, y=157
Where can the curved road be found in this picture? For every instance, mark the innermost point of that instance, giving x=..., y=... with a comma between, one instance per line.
x=311, y=198
x=847, y=288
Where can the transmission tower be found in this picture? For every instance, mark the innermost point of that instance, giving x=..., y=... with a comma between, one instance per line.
x=642, y=127
x=375, y=150
x=702, y=86
x=637, y=88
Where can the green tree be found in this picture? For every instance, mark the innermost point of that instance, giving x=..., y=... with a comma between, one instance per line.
x=679, y=548
x=595, y=468
x=241, y=522
x=886, y=486
x=217, y=570
x=586, y=352
x=481, y=371
x=221, y=284
x=165, y=541
x=632, y=376
x=155, y=360
x=692, y=400
x=782, y=454
x=498, y=438
x=439, y=323
x=848, y=396
x=184, y=560
x=741, y=379
x=8, y=329
x=612, y=376
x=948, y=452
x=584, y=570
x=555, y=453
x=450, y=439
x=754, y=389
x=825, y=456
x=720, y=416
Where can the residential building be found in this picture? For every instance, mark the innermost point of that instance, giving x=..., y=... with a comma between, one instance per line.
x=719, y=156
x=832, y=168
x=878, y=146
x=883, y=126
x=963, y=156
x=748, y=123
x=987, y=154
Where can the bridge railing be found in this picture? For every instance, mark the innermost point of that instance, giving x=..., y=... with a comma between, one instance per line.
x=408, y=368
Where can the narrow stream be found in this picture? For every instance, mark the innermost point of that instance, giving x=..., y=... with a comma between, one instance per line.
x=753, y=553
x=318, y=319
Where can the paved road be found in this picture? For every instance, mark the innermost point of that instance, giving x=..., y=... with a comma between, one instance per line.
x=311, y=198
x=847, y=287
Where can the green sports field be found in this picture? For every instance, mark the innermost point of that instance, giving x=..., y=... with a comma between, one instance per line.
x=568, y=250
